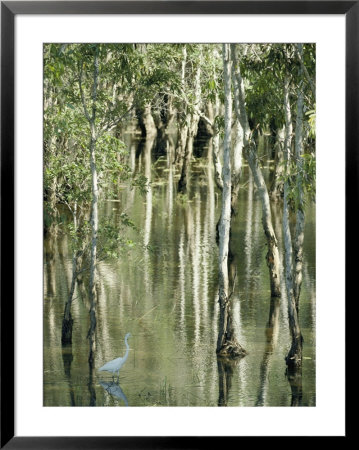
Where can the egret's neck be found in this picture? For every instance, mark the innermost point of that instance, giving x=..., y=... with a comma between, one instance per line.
x=127, y=348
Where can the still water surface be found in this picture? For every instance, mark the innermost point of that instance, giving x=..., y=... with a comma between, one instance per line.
x=166, y=297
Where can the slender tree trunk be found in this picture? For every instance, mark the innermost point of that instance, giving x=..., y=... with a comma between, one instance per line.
x=182, y=124
x=226, y=344
x=300, y=217
x=215, y=148
x=299, y=51
x=149, y=122
x=294, y=357
x=192, y=127
x=67, y=321
x=276, y=190
x=215, y=139
x=237, y=165
x=238, y=141
x=49, y=246
x=272, y=257
x=94, y=230
x=94, y=205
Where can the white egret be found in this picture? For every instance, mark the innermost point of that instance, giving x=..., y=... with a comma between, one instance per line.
x=116, y=364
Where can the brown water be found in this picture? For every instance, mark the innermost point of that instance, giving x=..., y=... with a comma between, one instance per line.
x=166, y=297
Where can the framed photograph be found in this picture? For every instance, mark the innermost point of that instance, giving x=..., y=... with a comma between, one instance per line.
x=175, y=255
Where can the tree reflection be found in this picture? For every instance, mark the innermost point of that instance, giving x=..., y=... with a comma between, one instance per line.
x=67, y=358
x=295, y=380
x=271, y=340
x=225, y=373
x=90, y=384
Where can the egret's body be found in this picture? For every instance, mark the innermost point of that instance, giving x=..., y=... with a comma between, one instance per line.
x=116, y=364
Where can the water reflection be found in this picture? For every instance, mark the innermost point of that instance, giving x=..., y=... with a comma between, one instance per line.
x=90, y=385
x=296, y=386
x=67, y=358
x=225, y=374
x=114, y=389
x=167, y=296
x=271, y=340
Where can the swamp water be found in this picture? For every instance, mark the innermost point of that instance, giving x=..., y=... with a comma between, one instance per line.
x=166, y=297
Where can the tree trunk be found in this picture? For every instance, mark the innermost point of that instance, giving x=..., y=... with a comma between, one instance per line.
x=226, y=344
x=276, y=190
x=67, y=321
x=238, y=141
x=183, y=126
x=94, y=214
x=215, y=148
x=300, y=217
x=192, y=127
x=272, y=257
x=94, y=230
x=294, y=357
x=149, y=122
x=49, y=246
x=237, y=165
x=194, y=118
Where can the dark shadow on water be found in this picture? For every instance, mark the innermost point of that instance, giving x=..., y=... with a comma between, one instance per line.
x=90, y=385
x=114, y=389
x=67, y=358
x=295, y=381
x=225, y=373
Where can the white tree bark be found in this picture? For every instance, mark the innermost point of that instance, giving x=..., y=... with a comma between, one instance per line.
x=192, y=120
x=215, y=148
x=300, y=215
x=238, y=143
x=226, y=343
x=294, y=356
x=94, y=204
x=250, y=153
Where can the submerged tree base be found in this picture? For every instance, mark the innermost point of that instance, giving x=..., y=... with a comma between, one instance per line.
x=232, y=349
x=294, y=357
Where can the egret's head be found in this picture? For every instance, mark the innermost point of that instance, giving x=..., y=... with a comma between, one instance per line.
x=128, y=335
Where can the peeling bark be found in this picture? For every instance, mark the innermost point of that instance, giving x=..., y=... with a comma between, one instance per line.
x=215, y=148
x=277, y=188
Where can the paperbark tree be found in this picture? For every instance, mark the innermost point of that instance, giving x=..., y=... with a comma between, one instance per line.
x=91, y=118
x=250, y=153
x=294, y=357
x=226, y=343
x=300, y=214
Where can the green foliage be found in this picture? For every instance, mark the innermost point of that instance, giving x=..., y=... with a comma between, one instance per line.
x=126, y=79
x=312, y=122
x=305, y=171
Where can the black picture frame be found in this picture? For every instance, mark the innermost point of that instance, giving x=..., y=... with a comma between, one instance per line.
x=9, y=9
